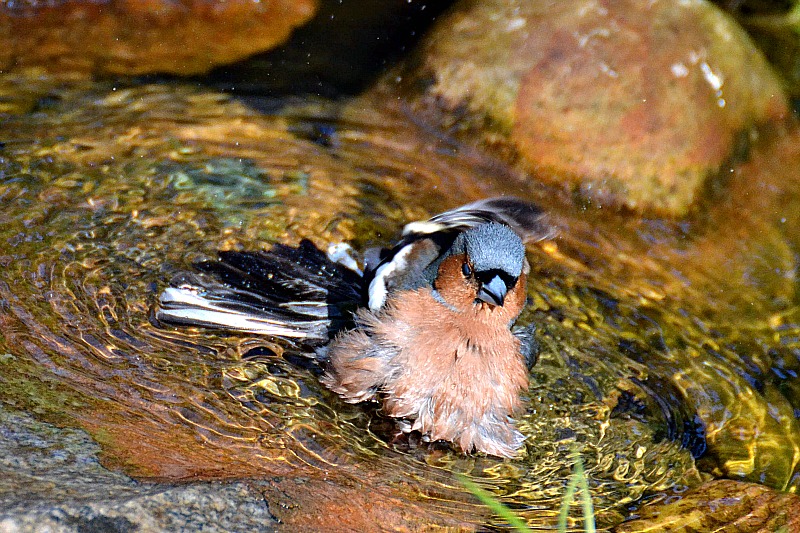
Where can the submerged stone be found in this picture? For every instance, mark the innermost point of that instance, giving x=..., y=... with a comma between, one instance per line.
x=51, y=479
x=721, y=505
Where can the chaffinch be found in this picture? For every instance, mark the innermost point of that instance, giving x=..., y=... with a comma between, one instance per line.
x=426, y=329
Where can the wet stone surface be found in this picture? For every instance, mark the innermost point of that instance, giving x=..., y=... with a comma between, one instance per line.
x=51, y=480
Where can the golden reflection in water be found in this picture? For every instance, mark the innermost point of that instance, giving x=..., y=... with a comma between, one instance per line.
x=106, y=197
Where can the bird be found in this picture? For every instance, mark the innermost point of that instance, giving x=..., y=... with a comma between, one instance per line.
x=426, y=330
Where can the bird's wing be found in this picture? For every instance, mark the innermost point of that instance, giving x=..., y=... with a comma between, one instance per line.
x=526, y=219
x=291, y=292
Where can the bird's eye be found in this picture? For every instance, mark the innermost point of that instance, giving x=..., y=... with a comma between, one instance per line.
x=466, y=270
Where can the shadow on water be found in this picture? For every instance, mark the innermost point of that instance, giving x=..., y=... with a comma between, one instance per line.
x=340, y=52
x=106, y=194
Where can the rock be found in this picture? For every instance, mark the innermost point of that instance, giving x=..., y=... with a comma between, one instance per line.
x=720, y=506
x=51, y=480
x=134, y=37
x=631, y=103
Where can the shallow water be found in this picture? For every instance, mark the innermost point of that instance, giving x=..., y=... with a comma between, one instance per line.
x=651, y=332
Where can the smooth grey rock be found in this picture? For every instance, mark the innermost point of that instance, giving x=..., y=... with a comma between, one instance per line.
x=51, y=481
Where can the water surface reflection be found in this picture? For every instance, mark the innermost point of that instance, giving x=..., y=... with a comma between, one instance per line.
x=106, y=194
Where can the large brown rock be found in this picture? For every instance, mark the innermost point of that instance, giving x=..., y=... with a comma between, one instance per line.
x=143, y=36
x=631, y=102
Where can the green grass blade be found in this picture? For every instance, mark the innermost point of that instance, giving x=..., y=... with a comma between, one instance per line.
x=496, y=506
x=577, y=481
x=569, y=496
x=586, y=497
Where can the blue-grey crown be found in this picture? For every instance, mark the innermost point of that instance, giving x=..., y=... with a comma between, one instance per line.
x=492, y=246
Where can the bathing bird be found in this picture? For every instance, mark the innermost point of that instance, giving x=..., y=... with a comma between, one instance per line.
x=427, y=329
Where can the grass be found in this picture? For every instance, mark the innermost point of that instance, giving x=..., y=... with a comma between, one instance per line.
x=494, y=504
x=577, y=482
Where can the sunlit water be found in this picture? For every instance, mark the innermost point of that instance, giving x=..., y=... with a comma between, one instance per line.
x=651, y=344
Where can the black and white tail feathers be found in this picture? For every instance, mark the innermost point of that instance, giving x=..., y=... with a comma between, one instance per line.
x=290, y=292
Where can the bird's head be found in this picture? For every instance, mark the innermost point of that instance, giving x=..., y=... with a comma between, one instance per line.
x=485, y=267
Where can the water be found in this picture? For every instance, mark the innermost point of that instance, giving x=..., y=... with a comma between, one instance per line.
x=651, y=332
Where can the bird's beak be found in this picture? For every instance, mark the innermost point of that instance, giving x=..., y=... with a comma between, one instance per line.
x=493, y=292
